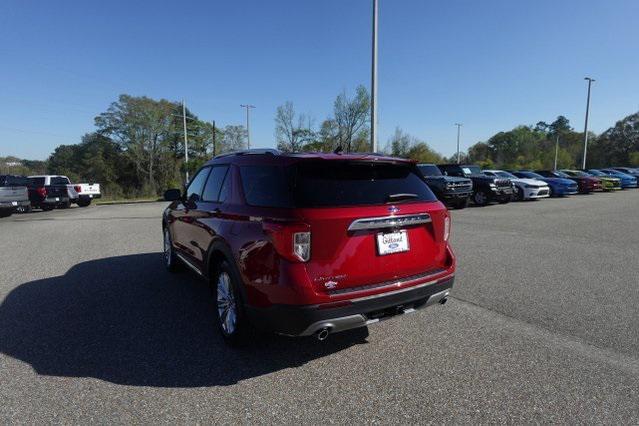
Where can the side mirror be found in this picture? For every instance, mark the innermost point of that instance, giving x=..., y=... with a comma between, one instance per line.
x=172, y=195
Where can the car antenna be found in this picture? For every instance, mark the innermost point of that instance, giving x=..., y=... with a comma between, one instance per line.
x=338, y=150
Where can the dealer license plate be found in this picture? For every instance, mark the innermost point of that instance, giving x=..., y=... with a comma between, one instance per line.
x=392, y=242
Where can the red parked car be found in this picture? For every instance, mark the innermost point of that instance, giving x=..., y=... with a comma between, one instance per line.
x=310, y=244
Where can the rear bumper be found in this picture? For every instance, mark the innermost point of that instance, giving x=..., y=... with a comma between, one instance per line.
x=14, y=204
x=306, y=320
x=89, y=196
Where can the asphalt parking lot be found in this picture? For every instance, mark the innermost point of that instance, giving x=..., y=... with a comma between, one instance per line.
x=543, y=326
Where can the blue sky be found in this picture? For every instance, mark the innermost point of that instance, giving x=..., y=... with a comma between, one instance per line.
x=491, y=65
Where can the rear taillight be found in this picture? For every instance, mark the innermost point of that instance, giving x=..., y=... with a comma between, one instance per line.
x=291, y=240
x=77, y=188
x=42, y=192
x=446, y=227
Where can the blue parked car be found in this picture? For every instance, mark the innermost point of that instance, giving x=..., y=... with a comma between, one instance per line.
x=632, y=171
x=558, y=186
x=627, y=181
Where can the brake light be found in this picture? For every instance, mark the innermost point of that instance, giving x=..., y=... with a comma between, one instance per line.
x=77, y=188
x=446, y=227
x=291, y=240
x=42, y=192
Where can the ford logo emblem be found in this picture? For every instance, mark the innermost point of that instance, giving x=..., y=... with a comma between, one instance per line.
x=393, y=209
x=393, y=246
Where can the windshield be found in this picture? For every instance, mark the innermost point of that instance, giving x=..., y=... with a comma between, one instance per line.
x=561, y=174
x=471, y=170
x=531, y=175
x=596, y=173
x=578, y=173
x=429, y=170
x=506, y=175
x=333, y=184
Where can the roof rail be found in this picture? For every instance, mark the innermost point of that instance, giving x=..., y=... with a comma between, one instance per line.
x=254, y=151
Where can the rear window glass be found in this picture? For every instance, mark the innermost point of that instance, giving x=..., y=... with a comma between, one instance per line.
x=267, y=186
x=15, y=181
x=59, y=180
x=39, y=181
x=333, y=184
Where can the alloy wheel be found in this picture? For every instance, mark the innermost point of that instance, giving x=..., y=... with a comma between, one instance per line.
x=226, y=306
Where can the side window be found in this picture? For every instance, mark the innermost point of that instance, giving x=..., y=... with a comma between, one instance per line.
x=194, y=190
x=214, y=184
x=225, y=192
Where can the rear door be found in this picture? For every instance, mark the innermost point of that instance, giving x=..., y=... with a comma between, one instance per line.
x=207, y=216
x=371, y=224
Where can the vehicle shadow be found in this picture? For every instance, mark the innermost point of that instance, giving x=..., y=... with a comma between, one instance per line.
x=126, y=320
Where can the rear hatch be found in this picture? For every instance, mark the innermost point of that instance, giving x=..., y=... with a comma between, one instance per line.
x=372, y=224
x=13, y=189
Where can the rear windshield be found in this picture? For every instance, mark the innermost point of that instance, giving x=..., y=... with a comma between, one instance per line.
x=39, y=181
x=333, y=184
x=13, y=181
x=429, y=170
x=59, y=180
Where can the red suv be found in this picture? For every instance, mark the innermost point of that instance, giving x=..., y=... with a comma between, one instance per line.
x=310, y=244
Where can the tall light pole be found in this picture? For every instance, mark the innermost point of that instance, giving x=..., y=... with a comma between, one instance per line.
x=186, y=142
x=248, y=129
x=590, y=80
x=458, y=132
x=374, y=82
x=557, y=152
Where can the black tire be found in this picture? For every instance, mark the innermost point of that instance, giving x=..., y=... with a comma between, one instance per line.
x=171, y=261
x=230, y=316
x=47, y=208
x=480, y=198
x=519, y=196
x=6, y=213
x=65, y=205
x=84, y=203
x=504, y=200
x=24, y=209
x=551, y=193
x=461, y=204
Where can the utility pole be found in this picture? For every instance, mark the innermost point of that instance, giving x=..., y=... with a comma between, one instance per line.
x=374, y=82
x=557, y=151
x=248, y=129
x=590, y=80
x=458, y=132
x=186, y=142
x=214, y=144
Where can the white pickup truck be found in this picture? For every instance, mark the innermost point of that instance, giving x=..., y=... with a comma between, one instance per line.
x=79, y=193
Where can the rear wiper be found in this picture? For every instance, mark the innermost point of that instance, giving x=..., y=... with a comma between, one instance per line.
x=400, y=197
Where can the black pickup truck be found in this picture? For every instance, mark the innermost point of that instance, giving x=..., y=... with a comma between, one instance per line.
x=47, y=193
x=485, y=188
x=450, y=190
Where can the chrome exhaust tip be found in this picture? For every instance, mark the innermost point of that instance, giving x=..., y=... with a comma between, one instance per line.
x=444, y=300
x=322, y=334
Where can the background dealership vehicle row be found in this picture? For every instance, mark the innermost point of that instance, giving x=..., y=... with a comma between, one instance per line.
x=454, y=184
